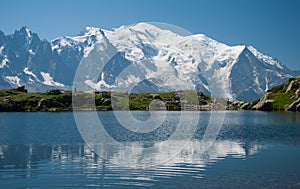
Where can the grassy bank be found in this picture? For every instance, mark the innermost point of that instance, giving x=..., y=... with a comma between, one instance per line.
x=19, y=100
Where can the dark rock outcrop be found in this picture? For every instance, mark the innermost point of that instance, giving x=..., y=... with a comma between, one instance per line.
x=295, y=106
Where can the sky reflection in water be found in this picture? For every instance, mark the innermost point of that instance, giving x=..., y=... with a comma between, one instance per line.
x=255, y=148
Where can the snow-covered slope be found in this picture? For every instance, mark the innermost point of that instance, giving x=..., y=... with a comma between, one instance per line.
x=174, y=60
x=159, y=60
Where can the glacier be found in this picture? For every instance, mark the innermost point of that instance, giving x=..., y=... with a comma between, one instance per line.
x=143, y=57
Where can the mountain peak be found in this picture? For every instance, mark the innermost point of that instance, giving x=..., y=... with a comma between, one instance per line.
x=157, y=52
x=89, y=31
x=144, y=25
x=265, y=58
x=26, y=31
x=159, y=28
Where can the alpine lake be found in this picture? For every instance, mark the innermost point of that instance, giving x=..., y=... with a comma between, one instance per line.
x=247, y=149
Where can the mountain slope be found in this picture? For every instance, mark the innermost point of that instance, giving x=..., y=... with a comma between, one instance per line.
x=145, y=58
x=251, y=76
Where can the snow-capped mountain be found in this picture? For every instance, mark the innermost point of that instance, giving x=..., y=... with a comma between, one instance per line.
x=159, y=60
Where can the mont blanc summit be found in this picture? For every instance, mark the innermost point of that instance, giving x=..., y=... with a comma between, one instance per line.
x=162, y=60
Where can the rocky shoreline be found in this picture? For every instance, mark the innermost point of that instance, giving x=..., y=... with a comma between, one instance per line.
x=285, y=97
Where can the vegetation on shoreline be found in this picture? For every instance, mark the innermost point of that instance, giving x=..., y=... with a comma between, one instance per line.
x=19, y=100
x=285, y=97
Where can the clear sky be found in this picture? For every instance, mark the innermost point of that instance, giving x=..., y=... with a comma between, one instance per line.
x=272, y=26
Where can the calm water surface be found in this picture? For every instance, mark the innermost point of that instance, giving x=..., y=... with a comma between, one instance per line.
x=252, y=150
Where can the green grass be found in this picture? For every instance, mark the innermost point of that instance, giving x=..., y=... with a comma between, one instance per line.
x=281, y=99
x=60, y=101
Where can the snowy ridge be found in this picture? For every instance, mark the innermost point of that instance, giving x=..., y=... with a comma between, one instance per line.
x=165, y=58
x=26, y=71
x=85, y=41
x=28, y=32
x=4, y=63
x=14, y=80
x=48, y=80
x=187, y=53
x=265, y=58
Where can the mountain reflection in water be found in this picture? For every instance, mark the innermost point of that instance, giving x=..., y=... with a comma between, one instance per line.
x=30, y=161
x=252, y=150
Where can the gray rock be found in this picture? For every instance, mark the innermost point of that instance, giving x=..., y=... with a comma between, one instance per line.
x=264, y=104
x=295, y=106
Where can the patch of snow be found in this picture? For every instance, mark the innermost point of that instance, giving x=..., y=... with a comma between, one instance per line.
x=282, y=75
x=28, y=37
x=87, y=50
x=65, y=41
x=256, y=80
x=58, y=51
x=61, y=42
x=31, y=52
x=134, y=54
x=267, y=84
x=102, y=85
x=15, y=80
x=48, y=80
x=28, y=32
x=98, y=86
x=1, y=49
x=4, y=63
x=133, y=79
x=26, y=71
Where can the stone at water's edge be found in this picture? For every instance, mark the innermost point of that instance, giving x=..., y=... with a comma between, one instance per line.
x=264, y=104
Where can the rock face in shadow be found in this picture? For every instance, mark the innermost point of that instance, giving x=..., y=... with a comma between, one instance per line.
x=295, y=106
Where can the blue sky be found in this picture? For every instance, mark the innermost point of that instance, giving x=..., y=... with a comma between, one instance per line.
x=272, y=26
